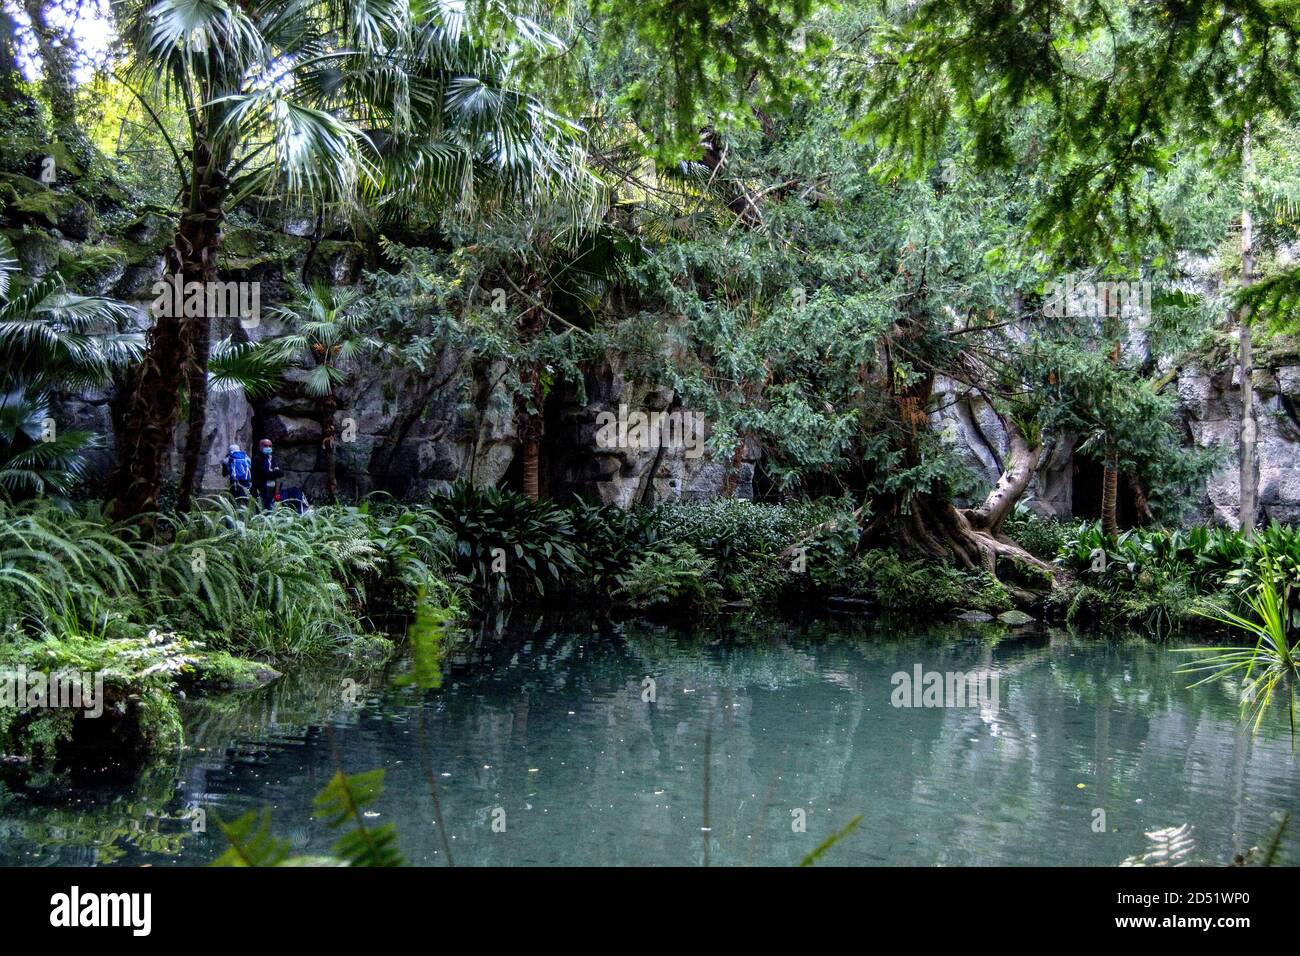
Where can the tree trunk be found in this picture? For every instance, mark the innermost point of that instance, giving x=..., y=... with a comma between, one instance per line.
x=327, y=442
x=532, y=457
x=1140, y=503
x=1021, y=463
x=12, y=88
x=530, y=402
x=55, y=46
x=1110, y=492
x=733, y=473
x=931, y=524
x=151, y=402
x=196, y=375
x=531, y=425
x=1110, y=463
x=1248, y=473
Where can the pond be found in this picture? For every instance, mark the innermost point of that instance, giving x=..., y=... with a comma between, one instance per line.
x=750, y=742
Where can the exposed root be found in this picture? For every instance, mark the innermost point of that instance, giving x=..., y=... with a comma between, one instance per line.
x=945, y=533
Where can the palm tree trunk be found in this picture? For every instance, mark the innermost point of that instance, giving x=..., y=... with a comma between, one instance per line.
x=529, y=411
x=1110, y=465
x=197, y=391
x=531, y=427
x=1248, y=473
x=327, y=441
x=151, y=405
x=1110, y=492
x=532, y=457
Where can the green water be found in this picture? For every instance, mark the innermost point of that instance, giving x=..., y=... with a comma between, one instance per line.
x=550, y=736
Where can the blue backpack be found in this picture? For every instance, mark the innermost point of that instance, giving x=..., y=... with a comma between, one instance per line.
x=241, y=469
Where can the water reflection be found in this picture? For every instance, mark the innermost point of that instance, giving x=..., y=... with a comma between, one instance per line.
x=555, y=736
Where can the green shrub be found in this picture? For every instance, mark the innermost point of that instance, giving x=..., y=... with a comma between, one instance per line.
x=738, y=535
x=276, y=584
x=54, y=559
x=678, y=576
x=725, y=529
x=410, y=546
x=925, y=587
x=506, y=542
x=1154, y=576
x=831, y=556
x=762, y=580
x=610, y=540
x=1041, y=537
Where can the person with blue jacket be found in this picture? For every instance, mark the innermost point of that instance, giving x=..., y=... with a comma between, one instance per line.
x=238, y=467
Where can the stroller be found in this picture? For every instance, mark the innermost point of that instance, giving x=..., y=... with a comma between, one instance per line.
x=294, y=499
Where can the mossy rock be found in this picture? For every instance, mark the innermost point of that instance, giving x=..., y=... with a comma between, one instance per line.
x=135, y=724
x=1015, y=618
x=92, y=268
x=64, y=162
x=152, y=228
x=368, y=649
x=252, y=250
x=38, y=208
x=337, y=261
x=38, y=251
x=220, y=670
x=21, y=185
x=67, y=212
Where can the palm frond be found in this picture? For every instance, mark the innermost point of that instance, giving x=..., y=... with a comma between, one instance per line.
x=254, y=369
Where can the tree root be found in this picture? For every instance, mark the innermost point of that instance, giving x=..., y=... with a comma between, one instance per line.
x=943, y=532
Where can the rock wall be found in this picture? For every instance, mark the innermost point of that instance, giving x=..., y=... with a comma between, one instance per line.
x=404, y=432
x=412, y=433
x=634, y=472
x=1210, y=403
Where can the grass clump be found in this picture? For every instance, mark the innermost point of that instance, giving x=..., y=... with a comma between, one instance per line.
x=192, y=604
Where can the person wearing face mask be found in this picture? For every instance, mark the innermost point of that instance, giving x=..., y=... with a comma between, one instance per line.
x=266, y=473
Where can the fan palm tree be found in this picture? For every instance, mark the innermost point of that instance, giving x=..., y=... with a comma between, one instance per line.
x=328, y=336
x=50, y=341
x=391, y=102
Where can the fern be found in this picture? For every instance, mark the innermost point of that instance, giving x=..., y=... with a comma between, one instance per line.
x=679, y=576
x=251, y=841
x=342, y=802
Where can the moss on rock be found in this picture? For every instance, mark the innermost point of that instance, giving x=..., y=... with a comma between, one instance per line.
x=220, y=670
